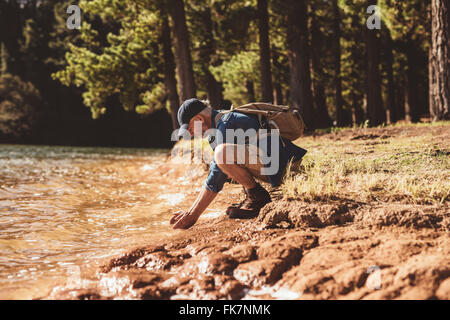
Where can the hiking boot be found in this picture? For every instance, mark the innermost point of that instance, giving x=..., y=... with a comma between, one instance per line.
x=255, y=199
x=240, y=204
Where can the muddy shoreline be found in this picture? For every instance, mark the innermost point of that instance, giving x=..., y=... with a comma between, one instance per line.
x=295, y=249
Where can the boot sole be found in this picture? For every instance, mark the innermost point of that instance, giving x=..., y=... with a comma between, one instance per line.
x=240, y=214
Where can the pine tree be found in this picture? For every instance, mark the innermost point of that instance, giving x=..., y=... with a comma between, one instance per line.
x=298, y=53
x=392, y=113
x=337, y=68
x=375, y=109
x=353, y=62
x=20, y=104
x=205, y=50
x=237, y=62
x=408, y=22
x=169, y=70
x=318, y=65
x=183, y=57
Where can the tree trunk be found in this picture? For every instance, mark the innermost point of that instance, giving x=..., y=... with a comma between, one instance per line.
x=169, y=72
x=375, y=110
x=298, y=55
x=400, y=99
x=264, y=52
x=357, y=97
x=250, y=90
x=357, y=113
x=278, y=91
x=323, y=119
x=439, y=64
x=182, y=50
x=407, y=101
x=278, y=95
x=412, y=76
x=214, y=91
x=391, y=110
x=337, y=65
x=214, y=88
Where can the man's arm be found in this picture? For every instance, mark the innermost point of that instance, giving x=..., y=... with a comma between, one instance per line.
x=184, y=220
x=212, y=186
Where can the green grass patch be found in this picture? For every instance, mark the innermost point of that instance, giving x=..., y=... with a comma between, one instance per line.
x=410, y=168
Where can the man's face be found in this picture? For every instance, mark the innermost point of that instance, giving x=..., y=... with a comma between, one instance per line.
x=200, y=118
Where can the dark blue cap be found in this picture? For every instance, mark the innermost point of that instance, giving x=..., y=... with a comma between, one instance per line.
x=189, y=109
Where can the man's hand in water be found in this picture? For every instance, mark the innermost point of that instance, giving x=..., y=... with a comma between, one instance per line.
x=186, y=219
x=183, y=220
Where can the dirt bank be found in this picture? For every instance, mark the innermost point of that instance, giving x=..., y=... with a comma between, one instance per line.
x=297, y=248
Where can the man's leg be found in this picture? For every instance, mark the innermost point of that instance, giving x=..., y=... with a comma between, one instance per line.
x=242, y=169
x=233, y=169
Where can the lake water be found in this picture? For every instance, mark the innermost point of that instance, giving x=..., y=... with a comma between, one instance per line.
x=62, y=209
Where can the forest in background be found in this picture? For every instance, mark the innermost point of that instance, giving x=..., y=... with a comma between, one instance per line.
x=133, y=62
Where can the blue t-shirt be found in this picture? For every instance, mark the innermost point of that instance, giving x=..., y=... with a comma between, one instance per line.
x=236, y=120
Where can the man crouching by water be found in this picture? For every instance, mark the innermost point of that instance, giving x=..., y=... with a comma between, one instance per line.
x=241, y=153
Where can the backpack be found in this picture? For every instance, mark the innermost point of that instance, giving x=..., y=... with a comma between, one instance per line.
x=288, y=121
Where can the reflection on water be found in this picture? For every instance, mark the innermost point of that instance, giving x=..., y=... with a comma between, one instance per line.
x=65, y=207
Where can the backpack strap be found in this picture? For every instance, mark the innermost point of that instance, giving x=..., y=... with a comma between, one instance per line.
x=220, y=115
x=259, y=115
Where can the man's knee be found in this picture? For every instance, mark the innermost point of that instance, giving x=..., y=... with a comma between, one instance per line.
x=223, y=153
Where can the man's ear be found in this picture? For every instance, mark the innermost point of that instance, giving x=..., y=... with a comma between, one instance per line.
x=206, y=119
